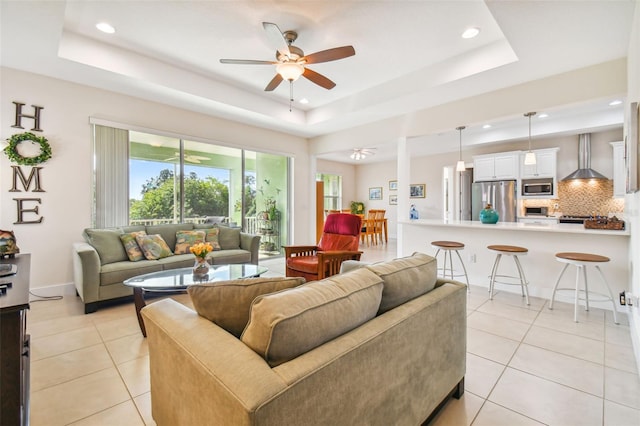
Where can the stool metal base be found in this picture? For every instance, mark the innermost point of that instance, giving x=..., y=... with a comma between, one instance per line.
x=521, y=280
x=578, y=292
x=451, y=272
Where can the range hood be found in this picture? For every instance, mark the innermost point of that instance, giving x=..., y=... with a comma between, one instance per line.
x=584, y=161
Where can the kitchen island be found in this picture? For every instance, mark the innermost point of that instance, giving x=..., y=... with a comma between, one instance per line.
x=543, y=242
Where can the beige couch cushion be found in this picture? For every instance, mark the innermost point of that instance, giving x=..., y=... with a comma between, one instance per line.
x=227, y=303
x=405, y=278
x=288, y=323
x=107, y=243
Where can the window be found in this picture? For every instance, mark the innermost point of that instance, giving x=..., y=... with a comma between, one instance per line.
x=143, y=178
x=332, y=191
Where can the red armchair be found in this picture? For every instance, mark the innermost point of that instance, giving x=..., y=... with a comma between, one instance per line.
x=339, y=242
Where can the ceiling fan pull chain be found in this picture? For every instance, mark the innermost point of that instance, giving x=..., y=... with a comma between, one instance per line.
x=290, y=93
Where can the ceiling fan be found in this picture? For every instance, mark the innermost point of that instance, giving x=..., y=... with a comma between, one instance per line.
x=361, y=153
x=189, y=158
x=291, y=61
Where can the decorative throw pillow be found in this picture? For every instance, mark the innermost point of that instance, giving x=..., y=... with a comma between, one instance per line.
x=405, y=279
x=153, y=246
x=288, y=323
x=229, y=237
x=227, y=303
x=186, y=239
x=212, y=237
x=131, y=245
x=107, y=243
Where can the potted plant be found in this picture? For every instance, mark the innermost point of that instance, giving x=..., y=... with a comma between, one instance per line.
x=357, y=207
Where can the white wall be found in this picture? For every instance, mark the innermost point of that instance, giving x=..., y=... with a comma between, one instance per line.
x=632, y=201
x=66, y=178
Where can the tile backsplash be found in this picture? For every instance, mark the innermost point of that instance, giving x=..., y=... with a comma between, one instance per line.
x=582, y=198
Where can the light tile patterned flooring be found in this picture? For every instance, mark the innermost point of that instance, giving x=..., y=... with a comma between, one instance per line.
x=526, y=365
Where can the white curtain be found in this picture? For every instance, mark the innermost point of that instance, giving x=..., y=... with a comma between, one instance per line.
x=111, y=172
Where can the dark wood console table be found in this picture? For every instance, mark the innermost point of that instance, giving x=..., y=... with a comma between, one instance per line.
x=14, y=343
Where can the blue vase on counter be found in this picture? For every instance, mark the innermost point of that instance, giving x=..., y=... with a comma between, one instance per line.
x=489, y=215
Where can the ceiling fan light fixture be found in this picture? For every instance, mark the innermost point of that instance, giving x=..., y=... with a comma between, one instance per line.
x=357, y=155
x=290, y=71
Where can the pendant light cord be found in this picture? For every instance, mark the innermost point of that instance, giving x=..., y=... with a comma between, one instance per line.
x=460, y=129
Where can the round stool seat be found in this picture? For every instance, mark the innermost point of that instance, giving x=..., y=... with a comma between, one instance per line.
x=447, y=244
x=582, y=257
x=508, y=249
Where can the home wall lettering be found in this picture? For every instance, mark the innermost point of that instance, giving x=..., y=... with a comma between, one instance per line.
x=27, y=208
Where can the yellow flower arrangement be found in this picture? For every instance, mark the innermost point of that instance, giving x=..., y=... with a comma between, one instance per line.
x=201, y=250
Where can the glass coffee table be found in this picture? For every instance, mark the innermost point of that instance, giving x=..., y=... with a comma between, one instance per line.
x=175, y=280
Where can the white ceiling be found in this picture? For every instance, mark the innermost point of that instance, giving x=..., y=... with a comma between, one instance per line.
x=409, y=55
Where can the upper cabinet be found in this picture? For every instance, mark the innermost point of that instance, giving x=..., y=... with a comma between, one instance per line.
x=545, y=166
x=501, y=166
x=619, y=169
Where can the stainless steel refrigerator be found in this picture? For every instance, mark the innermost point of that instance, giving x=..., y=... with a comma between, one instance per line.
x=500, y=194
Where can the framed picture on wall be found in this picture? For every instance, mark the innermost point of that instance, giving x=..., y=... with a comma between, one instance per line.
x=417, y=190
x=393, y=185
x=375, y=193
x=393, y=200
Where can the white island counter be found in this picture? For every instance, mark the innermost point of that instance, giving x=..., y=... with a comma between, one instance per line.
x=543, y=242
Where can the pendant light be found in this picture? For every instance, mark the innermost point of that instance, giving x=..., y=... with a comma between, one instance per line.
x=530, y=158
x=460, y=167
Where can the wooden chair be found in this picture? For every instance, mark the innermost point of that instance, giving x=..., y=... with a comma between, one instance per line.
x=339, y=242
x=378, y=223
x=368, y=230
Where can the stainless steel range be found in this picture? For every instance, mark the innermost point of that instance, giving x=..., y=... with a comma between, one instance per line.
x=573, y=219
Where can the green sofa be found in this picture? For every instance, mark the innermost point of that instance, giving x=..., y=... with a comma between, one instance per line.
x=384, y=344
x=100, y=264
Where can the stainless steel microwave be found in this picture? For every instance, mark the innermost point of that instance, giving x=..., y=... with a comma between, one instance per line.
x=537, y=187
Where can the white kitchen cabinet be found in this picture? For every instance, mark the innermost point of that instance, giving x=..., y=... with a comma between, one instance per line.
x=500, y=166
x=619, y=170
x=545, y=166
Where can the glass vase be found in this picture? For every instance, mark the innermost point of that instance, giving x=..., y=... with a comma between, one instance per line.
x=489, y=215
x=201, y=267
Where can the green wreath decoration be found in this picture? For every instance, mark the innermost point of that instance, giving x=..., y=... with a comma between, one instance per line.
x=15, y=140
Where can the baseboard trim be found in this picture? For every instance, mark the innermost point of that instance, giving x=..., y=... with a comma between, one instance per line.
x=68, y=289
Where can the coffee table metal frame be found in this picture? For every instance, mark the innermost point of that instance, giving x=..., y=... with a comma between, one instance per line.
x=177, y=280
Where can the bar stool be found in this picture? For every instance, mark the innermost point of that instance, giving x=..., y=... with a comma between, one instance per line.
x=581, y=261
x=447, y=247
x=514, y=252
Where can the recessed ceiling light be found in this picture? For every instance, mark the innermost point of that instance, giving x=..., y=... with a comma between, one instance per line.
x=486, y=126
x=543, y=115
x=304, y=101
x=616, y=102
x=471, y=32
x=105, y=28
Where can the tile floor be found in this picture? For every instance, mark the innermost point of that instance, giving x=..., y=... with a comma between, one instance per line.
x=526, y=365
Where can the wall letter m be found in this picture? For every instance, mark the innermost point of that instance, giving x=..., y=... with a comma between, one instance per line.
x=34, y=177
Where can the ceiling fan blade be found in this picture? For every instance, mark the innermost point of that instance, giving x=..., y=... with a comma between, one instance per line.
x=318, y=79
x=276, y=38
x=275, y=82
x=246, y=62
x=330, y=55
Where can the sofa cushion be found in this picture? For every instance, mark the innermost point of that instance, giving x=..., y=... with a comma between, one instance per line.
x=229, y=238
x=153, y=246
x=288, y=323
x=212, y=237
x=107, y=243
x=225, y=257
x=131, y=245
x=186, y=239
x=117, y=272
x=168, y=231
x=405, y=279
x=227, y=303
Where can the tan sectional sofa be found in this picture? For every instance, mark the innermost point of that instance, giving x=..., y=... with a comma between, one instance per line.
x=381, y=345
x=100, y=264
